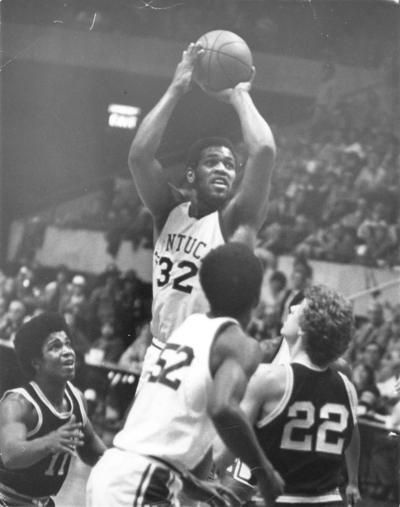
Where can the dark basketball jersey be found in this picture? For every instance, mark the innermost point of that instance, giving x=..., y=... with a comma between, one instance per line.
x=306, y=435
x=45, y=477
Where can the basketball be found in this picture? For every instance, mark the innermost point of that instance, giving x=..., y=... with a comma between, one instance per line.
x=226, y=61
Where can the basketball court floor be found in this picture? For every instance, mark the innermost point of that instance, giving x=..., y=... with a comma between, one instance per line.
x=72, y=493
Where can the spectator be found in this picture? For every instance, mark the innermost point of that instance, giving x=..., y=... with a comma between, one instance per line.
x=75, y=299
x=371, y=355
x=363, y=377
x=12, y=320
x=56, y=290
x=108, y=343
x=132, y=358
x=129, y=306
x=375, y=330
x=300, y=279
x=103, y=298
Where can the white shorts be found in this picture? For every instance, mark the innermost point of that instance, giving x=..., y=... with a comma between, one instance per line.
x=150, y=359
x=123, y=479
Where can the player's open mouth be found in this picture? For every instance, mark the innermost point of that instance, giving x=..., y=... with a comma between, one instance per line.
x=220, y=182
x=70, y=363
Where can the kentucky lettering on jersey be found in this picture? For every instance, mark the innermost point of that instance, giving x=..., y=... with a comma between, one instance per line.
x=187, y=244
x=183, y=242
x=45, y=477
x=169, y=419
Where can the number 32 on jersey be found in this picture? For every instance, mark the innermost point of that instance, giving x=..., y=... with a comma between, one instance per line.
x=181, y=282
x=172, y=358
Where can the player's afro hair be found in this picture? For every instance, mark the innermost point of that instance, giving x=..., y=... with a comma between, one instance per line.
x=231, y=277
x=30, y=337
x=195, y=151
x=327, y=323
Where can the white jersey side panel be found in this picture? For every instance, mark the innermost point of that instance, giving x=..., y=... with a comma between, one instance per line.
x=184, y=241
x=169, y=418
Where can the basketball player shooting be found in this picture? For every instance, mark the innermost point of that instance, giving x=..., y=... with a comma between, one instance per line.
x=184, y=232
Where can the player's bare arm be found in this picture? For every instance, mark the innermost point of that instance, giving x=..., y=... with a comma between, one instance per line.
x=146, y=170
x=234, y=359
x=352, y=456
x=352, y=453
x=17, y=417
x=93, y=447
x=249, y=205
x=257, y=403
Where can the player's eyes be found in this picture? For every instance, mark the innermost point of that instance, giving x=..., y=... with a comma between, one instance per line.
x=211, y=162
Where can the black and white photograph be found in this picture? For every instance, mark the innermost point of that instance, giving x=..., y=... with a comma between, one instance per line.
x=199, y=253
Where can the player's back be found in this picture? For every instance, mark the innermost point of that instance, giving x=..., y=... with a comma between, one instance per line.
x=169, y=418
x=182, y=244
x=306, y=435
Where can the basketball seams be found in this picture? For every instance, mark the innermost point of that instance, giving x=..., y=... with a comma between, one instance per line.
x=219, y=68
x=227, y=55
x=230, y=76
x=211, y=51
x=229, y=42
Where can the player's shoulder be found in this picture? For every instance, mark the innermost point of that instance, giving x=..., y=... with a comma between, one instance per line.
x=17, y=405
x=270, y=381
x=232, y=339
x=231, y=342
x=80, y=398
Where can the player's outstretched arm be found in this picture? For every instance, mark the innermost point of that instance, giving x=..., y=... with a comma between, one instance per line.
x=16, y=416
x=146, y=171
x=234, y=359
x=249, y=206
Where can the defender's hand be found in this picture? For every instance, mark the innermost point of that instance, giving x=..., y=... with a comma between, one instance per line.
x=66, y=438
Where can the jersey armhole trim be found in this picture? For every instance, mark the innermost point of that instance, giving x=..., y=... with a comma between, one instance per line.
x=79, y=400
x=23, y=392
x=352, y=395
x=224, y=234
x=283, y=402
x=159, y=230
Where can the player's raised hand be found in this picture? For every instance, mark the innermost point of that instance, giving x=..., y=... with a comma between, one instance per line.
x=184, y=71
x=352, y=495
x=66, y=438
x=212, y=493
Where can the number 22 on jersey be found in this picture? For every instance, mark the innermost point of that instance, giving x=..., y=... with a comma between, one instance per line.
x=301, y=434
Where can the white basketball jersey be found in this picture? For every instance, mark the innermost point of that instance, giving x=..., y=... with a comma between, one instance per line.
x=184, y=241
x=169, y=418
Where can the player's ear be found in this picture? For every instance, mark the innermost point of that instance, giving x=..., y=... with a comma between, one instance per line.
x=190, y=175
x=35, y=364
